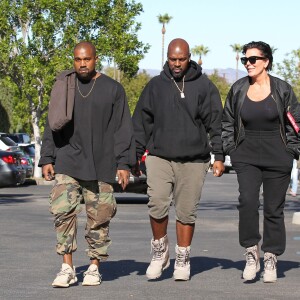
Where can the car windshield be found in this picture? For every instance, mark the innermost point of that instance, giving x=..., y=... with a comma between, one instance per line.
x=20, y=138
x=7, y=141
x=24, y=138
x=29, y=149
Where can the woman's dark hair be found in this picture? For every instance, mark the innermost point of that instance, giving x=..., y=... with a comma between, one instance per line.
x=264, y=48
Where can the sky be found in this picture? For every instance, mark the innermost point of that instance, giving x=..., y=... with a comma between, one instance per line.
x=217, y=24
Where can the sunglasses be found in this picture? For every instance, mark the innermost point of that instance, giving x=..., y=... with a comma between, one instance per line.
x=252, y=59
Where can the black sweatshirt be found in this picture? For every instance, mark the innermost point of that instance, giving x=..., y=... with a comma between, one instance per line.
x=171, y=127
x=99, y=139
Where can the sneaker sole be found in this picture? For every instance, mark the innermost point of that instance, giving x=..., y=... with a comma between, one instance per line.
x=65, y=285
x=181, y=278
x=272, y=280
x=91, y=284
x=157, y=276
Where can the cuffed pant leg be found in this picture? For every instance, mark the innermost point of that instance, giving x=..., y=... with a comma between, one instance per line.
x=275, y=183
x=65, y=200
x=249, y=179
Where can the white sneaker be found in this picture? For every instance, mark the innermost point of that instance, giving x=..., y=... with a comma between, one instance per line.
x=270, y=262
x=160, y=260
x=182, y=267
x=252, y=263
x=65, y=277
x=92, y=276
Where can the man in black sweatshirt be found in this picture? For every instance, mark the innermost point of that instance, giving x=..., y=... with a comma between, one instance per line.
x=85, y=156
x=178, y=120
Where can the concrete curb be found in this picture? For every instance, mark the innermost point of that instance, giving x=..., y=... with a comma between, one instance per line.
x=296, y=218
x=39, y=181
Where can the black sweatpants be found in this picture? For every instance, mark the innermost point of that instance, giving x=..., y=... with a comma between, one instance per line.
x=262, y=159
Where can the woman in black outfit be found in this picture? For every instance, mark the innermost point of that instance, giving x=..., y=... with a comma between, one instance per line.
x=261, y=141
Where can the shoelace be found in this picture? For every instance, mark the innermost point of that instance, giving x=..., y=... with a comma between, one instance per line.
x=182, y=259
x=65, y=272
x=270, y=261
x=93, y=273
x=158, y=251
x=250, y=256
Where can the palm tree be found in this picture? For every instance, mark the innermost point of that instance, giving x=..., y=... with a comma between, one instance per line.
x=163, y=19
x=237, y=48
x=200, y=50
x=273, y=49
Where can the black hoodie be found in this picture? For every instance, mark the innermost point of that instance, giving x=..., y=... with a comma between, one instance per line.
x=184, y=129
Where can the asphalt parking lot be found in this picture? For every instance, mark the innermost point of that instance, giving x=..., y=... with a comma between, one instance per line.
x=28, y=262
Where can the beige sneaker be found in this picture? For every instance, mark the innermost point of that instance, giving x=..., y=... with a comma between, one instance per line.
x=92, y=276
x=270, y=262
x=65, y=277
x=252, y=263
x=182, y=268
x=160, y=260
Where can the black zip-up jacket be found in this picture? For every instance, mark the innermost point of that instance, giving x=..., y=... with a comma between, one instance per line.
x=177, y=128
x=233, y=131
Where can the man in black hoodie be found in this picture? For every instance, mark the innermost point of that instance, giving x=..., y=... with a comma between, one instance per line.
x=178, y=120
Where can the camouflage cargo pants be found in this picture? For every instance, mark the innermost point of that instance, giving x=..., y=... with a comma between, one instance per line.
x=100, y=204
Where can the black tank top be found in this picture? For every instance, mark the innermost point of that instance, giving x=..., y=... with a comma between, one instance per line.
x=260, y=115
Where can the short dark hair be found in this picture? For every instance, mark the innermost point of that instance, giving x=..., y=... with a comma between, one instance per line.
x=264, y=48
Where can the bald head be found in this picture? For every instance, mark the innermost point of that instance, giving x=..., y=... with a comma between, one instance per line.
x=86, y=45
x=178, y=57
x=179, y=45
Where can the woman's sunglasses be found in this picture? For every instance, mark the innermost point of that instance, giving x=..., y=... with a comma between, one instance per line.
x=252, y=59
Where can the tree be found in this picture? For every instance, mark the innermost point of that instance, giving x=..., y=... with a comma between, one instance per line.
x=200, y=50
x=289, y=69
x=6, y=107
x=273, y=49
x=237, y=48
x=221, y=83
x=163, y=19
x=133, y=85
x=37, y=40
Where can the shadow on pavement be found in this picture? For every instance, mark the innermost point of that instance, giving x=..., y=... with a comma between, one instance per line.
x=13, y=198
x=112, y=270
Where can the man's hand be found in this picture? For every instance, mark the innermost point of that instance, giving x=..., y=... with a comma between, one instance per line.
x=136, y=171
x=48, y=172
x=218, y=168
x=123, y=178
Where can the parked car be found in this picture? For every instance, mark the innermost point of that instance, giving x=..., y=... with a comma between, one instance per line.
x=137, y=184
x=227, y=163
x=11, y=170
x=20, y=138
x=29, y=150
x=7, y=144
x=27, y=165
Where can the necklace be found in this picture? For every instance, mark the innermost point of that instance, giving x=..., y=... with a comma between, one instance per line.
x=85, y=96
x=182, y=96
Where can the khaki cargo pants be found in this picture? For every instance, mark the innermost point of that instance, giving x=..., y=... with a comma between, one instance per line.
x=65, y=204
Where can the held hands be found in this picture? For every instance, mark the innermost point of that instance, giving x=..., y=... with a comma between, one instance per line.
x=48, y=172
x=123, y=178
x=218, y=168
x=136, y=171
